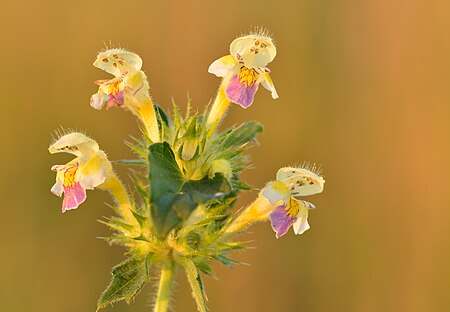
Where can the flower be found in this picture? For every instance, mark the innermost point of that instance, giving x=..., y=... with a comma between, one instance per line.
x=129, y=84
x=128, y=89
x=291, y=183
x=88, y=170
x=245, y=68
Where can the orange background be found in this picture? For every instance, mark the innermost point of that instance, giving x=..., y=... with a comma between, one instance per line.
x=364, y=90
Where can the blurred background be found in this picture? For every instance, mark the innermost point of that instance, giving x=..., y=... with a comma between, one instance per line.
x=364, y=90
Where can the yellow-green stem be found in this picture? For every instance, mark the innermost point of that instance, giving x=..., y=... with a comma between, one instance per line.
x=165, y=287
x=218, y=110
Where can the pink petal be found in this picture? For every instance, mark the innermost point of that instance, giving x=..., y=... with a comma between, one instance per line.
x=73, y=197
x=281, y=220
x=116, y=99
x=239, y=93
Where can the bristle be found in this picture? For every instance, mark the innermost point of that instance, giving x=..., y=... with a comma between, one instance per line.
x=61, y=131
x=310, y=166
x=316, y=169
x=260, y=31
x=257, y=31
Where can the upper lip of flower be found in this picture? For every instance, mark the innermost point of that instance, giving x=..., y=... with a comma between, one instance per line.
x=118, y=61
x=76, y=144
x=253, y=50
x=53, y=150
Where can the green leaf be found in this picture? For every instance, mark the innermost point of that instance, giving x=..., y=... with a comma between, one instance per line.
x=198, y=291
x=164, y=170
x=138, y=162
x=172, y=197
x=227, y=261
x=169, y=210
x=202, y=191
x=117, y=224
x=128, y=279
x=140, y=219
x=233, y=245
x=161, y=116
x=202, y=223
x=141, y=190
x=177, y=119
x=242, y=134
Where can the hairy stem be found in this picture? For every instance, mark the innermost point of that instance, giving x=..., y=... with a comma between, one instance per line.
x=146, y=113
x=218, y=110
x=120, y=194
x=165, y=286
x=259, y=210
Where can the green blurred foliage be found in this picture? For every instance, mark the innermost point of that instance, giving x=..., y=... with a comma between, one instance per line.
x=364, y=90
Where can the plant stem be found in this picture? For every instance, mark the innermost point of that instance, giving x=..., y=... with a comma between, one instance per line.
x=165, y=286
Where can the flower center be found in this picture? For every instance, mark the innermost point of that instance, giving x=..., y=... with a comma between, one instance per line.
x=247, y=76
x=292, y=208
x=115, y=87
x=69, y=177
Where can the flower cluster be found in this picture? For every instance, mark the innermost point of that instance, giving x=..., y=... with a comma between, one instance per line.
x=186, y=175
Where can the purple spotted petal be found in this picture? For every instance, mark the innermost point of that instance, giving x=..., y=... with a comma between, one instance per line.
x=240, y=93
x=73, y=197
x=281, y=221
x=116, y=99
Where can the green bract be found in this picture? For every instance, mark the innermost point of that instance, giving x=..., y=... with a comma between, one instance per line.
x=182, y=209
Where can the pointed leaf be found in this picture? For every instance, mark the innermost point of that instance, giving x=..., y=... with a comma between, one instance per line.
x=138, y=162
x=164, y=170
x=242, y=134
x=128, y=279
x=206, y=189
x=198, y=291
x=161, y=116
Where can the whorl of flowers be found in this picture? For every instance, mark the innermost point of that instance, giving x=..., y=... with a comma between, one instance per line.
x=187, y=175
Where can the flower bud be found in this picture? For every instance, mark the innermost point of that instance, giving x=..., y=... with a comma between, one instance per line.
x=221, y=166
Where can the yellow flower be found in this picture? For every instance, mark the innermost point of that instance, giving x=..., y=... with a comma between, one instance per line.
x=128, y=89
x=88, y=170
x=245, y=68
x=289, y=211
x=128, y=85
